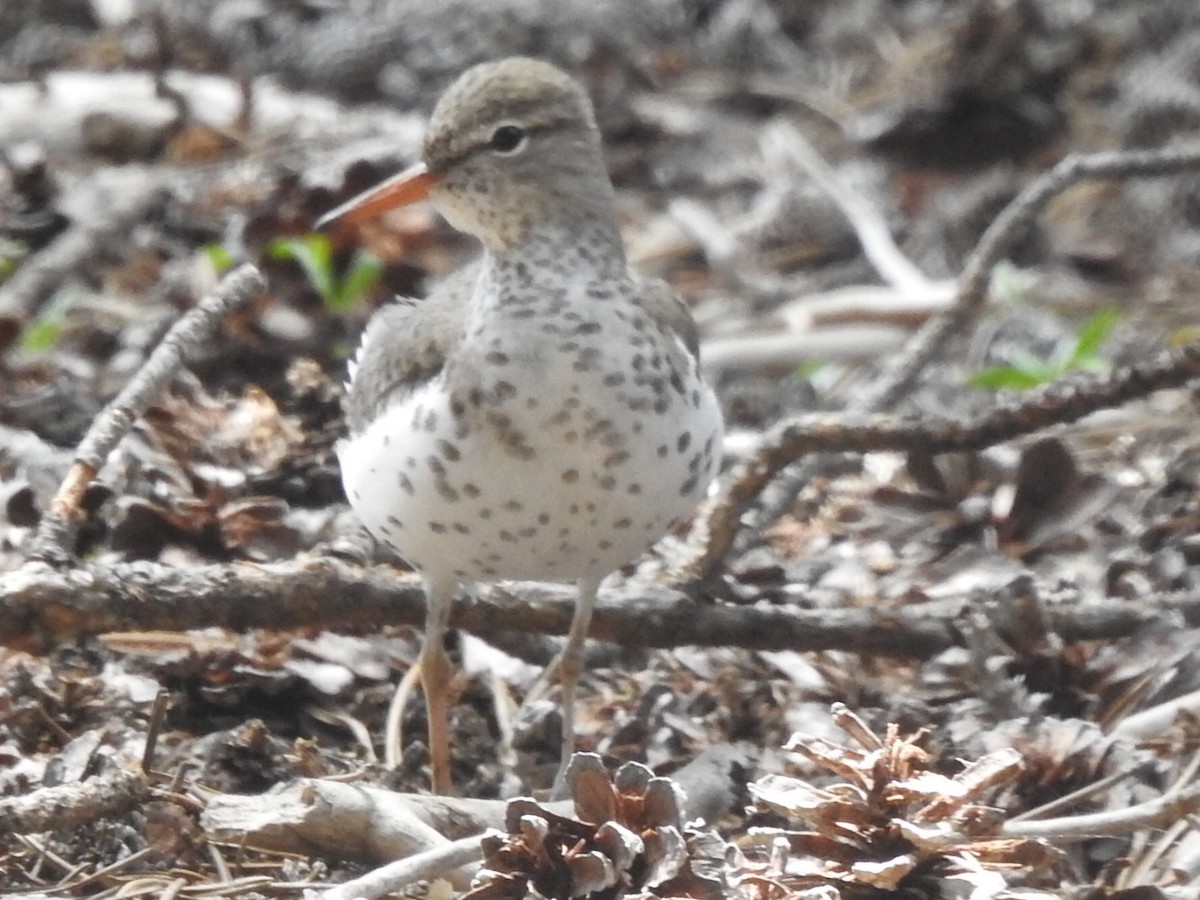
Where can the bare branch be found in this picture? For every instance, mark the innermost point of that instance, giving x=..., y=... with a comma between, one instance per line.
x=1067, y=400
x=68, y=805
x=782, y=138
x=1160, y=812
x=41, y=606
x=57, y=529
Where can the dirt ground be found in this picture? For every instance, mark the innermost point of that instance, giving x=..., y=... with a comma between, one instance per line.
x=934, y=633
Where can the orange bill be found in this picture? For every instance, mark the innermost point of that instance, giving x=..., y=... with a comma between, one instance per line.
x=410, y=186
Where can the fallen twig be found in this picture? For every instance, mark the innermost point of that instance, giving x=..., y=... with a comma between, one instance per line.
x=403, y=872
x=1155, y=721
x=57, y=529
x=1007, y=228
x=68, y=805
x=41, y=606
x=436, y=836
x=1058, y=403
x=350, y=821
x=783, y=138
x=743, y=487
x=1157, y=813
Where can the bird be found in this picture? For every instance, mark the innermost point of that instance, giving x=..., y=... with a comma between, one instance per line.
x=541, y=415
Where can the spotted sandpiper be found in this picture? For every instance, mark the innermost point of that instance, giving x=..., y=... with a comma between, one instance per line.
x=541, y=415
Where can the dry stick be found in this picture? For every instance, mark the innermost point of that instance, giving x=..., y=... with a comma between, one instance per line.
x=68, y=805
x=1076, y=797
x=744, y=485
x=1139, y=872
x=1009, y=226
x=398, y=875
x=41, y=606
x=1148, y=723
x=1057, y=403
x=784, y=142
x=784, y=139
x=58, y=527
x=1160, y=812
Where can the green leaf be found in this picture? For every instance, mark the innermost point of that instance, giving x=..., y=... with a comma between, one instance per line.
x=218, y=257
x=314, y=254
x=11, y=254
x=1009, y=378
x=809, y=368
x=1093, y=333
x=365, y=271
x=40, y=335
x=1079, y=352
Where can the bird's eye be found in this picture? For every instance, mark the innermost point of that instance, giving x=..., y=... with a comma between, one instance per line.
x=508, y=139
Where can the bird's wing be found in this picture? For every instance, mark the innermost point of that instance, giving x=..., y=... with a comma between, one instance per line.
x=404, y=346
x=666, y=308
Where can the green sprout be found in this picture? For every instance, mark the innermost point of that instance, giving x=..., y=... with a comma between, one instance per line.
x=314, y=254
x=1081, y=351
x=219, y=257
x=11, y=254
x=43, y=332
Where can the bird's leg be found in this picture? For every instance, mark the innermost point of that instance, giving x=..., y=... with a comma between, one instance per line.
x=433, y=668
x=393, y=737
x=570, y=666
x=435, y=679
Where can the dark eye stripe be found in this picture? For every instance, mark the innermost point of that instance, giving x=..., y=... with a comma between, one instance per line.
x=531, y=129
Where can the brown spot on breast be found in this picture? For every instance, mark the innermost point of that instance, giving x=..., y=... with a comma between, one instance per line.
x=615, y=459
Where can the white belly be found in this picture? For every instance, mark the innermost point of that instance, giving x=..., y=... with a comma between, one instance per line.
x=560, y=489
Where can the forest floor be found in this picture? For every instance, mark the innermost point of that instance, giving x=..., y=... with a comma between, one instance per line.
x=934, y=634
